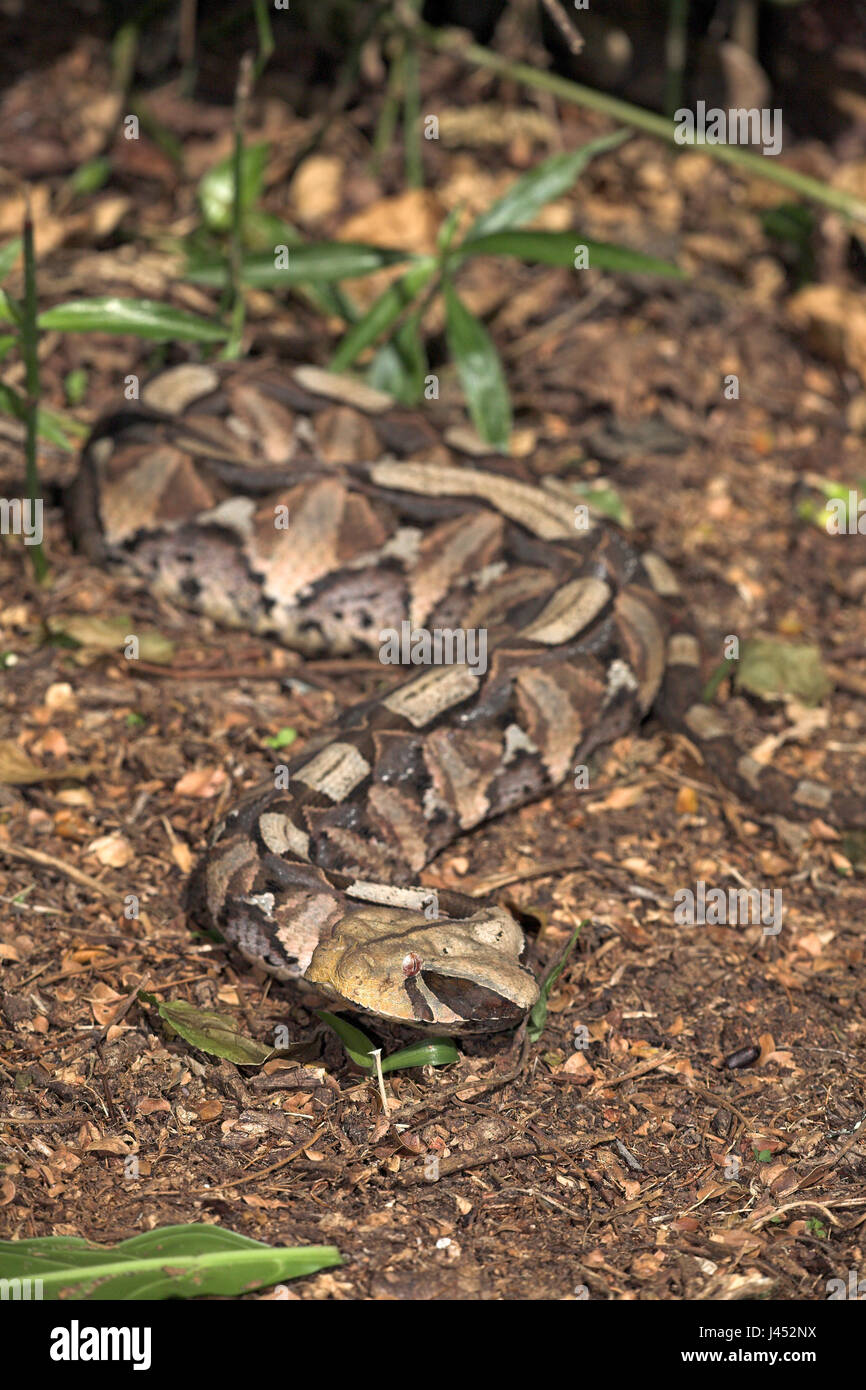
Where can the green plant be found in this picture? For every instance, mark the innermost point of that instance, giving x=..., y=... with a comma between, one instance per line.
x=170, y=1262
x=394, y=320
x=435, y=1052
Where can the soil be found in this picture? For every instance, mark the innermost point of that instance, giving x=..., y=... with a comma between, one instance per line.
x=685, y=1127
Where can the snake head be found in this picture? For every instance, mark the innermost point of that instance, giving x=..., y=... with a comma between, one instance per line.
x=463, y=974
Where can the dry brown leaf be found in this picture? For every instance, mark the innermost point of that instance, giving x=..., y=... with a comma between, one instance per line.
x=202, y=781
x=17, y=768
x=113, y=851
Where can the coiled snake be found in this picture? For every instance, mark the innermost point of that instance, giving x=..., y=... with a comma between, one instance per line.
x=229, y=490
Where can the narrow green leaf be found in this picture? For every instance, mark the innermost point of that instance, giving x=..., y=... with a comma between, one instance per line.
x=214, y=1033
x=172, y=1262
x=543, y=184
x=356, y=1043
x=9, y=255
x=10, y=309
x=435, y=1052
x=561, y=248
x=324, y=261
x=400, y=365
x=480, y=371
x=216, y=189
x=538, y=1016
x=383, y=312
x=58, y=429
x=145, y=318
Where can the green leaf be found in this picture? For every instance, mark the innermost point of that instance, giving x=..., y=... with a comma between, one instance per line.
x=75, y=385
x=548, y=181
x=480, y=371
x=90, y=177
x=213, y=1032
x=324, y=261
x=604, y=500
x=216, y=189
x=400, y=365
x=145, y=318
x=282, y=738
x=435, y=1052
x=9, y=255
x=173, y=1262
x=50, y=424
x=356, y=1043
x=383, y=312
x=560, y=248
x=10, y=309
x=773, y=669
x=538, y=1016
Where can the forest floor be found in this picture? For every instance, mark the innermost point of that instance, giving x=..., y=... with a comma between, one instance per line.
x=640, y=1166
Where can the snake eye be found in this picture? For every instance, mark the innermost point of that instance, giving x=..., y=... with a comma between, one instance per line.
x=411, y=965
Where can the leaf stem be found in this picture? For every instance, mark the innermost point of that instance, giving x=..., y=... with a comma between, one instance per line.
x=30, y=352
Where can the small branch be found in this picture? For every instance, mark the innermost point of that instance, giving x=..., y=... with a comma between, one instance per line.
x=565, y=26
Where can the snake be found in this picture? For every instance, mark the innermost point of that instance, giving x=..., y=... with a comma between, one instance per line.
x=311, y=508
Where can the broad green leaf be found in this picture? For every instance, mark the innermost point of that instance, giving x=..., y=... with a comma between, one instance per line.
x=773, y=669
x=214, y=1033
x=324, y=261
x=383, y=312
x=538, y=1016
x=216, y=189
x=548, y=181
x=561, y=248
x=174, y=1262
x=480, y=371
x=435, y=1052
x=9, y=255
x=144, y=318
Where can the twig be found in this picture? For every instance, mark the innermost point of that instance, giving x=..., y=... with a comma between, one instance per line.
x=50, y=861
x=566, y=27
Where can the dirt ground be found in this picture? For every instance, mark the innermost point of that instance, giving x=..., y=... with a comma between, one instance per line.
x=643, y=1165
